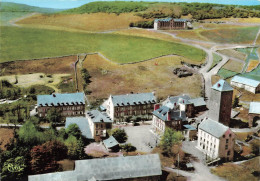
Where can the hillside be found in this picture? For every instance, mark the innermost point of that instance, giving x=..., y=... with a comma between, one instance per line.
x=198, y=11
x=15, y=7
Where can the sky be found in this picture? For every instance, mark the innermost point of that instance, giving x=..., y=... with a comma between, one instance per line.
x=66, y=4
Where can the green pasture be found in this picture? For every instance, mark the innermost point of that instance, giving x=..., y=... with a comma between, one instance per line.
x=216, y=60
x=28, y=43
x=224, y=73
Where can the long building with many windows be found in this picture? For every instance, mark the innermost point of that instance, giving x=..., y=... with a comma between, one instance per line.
x=121, y=107
x=69, y=104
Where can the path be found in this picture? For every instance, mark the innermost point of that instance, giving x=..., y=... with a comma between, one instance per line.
x=14, y=21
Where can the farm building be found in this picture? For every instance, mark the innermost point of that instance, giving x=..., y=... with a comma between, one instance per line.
x=254, y=113
x=93, y=126
x=216, y=140
x=121, y=107
x=166, y=117
x=111, y=144
x=185, y=103
x=72, y=104
x=142, y=167
x=248, y=84
x=171, y=24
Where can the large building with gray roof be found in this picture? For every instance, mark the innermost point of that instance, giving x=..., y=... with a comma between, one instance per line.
x=216, y=140
x=121, y=107
x=248, y=84
x=68, y=104
x=171, y=24
x=142, y=167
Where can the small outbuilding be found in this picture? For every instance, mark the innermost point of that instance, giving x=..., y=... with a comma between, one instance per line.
x=111, y=144
x=248, y=84
x=254, y=113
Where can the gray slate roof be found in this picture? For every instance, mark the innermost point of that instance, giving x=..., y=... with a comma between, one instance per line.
x=198, y=102
x=222, y=86
x=162, y=113
x=97, y=117
x=246, y=81
x=61, y=99
x=107, y=169
x=172, y=101
x=254, y=108
x=213, y=127
x=110, y=142
x=56, y=176
x=133, y=99
x=169, y=19
x=118, y=167
x=82, y=123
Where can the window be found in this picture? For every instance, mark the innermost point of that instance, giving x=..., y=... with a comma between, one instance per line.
x=226, y=140
x=226, y=147
x=228, y=153
x=96, y=132
x=223, y=136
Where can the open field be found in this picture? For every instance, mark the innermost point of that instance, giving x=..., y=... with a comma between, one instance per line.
x=241, y=172
x=145, y=33
x=242, y=136
x=233, y=53
x=87, y=22
x=154, y=75
x=36, y=43
x=216, y=60
x=233, y=66
x=252, y=65
x=190, y=34
x=231, y=35
x=8, y=16
x=5, y=136
x=236, y=20
x=224, y=73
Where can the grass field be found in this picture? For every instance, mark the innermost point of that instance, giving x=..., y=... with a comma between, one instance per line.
x=87, y=22
x=241, y=172
x=27, y=43
x=233, y=53
x=231, y=35
x=252, y=65
x=224, y=73
x=236, y=20
x=5, y=17
x=216, y=60
x=234, y=66
x=155, y=75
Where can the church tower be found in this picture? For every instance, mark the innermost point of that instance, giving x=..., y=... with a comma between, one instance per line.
x=220, y=103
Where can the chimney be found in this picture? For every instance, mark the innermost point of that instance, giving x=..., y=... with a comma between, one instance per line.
x=218, y=84
x=156, y=106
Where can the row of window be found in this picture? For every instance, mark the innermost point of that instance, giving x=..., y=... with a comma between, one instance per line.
x=129, y=113
x=62, y=109
x=133, y=107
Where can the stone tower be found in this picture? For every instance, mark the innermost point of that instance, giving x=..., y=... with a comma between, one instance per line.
x=220, y=103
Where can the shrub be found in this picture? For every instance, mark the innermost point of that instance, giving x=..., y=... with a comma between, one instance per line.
x=128, y=147
x=119, y=135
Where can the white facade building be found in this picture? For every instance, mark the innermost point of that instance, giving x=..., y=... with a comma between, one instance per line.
x=216, y=140
x=248, y=84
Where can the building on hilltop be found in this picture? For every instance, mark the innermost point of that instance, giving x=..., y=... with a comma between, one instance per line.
x=216, y=140
x=248, y=84
x=93, y=126
x=69, y=104
x=141, y=167
x=121, y=107
x=254, y=113
x=171, y=24
x=220, y=102
x=166, y=117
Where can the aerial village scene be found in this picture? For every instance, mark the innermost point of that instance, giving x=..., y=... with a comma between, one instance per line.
x=163, y=90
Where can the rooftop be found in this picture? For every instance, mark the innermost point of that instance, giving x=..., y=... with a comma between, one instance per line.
x=169, y=19
x=98, y=117
x=82, y=123
x=110, y=142
x=163, y=111
x=254, y=108
x=61, y=99
x=198, y=102
x=133, y=99
x=214, y=128
x=171, y=102
x=246, y=81
x=222, y=86
x=113, y=168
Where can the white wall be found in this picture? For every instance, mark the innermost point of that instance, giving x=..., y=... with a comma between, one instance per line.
x=155, y=25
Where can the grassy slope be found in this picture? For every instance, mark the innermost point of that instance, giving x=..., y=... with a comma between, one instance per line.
x=86, y=22
x=232, y=35
x=26, y=43
x=16, y=7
